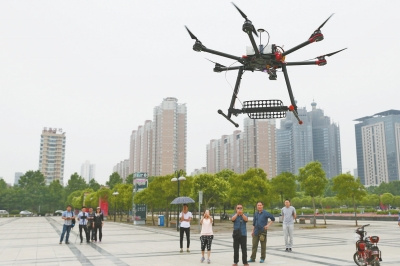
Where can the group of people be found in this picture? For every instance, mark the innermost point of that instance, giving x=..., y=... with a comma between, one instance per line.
x=90, y=222
x=262, y=221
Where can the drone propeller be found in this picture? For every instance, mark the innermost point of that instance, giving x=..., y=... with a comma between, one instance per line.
x=216, y=64
x=191, y=34
x=245, y=17
x=330, y=54
x=319, y=28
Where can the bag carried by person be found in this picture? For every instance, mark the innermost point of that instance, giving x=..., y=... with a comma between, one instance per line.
x=236, y=232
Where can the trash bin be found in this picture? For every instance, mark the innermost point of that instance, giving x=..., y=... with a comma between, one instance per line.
x=161, y=220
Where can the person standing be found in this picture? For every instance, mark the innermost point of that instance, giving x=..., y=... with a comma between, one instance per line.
x=239, y=223
x=90, y=225
x=288, y=215
x=259, y=232
x=185, y=217
x=206, y=235
x=67, y=216
x=98, y=224
x=82, y=218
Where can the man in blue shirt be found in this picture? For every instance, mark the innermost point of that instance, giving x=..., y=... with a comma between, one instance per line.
x=67, y=216
x=82, y=218
x=259, y=233
x=239, y=222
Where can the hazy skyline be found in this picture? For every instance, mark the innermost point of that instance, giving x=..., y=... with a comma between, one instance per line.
x=96, y=69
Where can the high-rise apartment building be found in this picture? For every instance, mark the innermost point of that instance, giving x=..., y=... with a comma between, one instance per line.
x=252, y=148
x=140, y=154
x=88, y=171
x=52, y=154
x=17, y=176
x=122, y=168
x=225, y=153
x=259, y=145
x=159, y=147
x=378, y=147
x=169, y=137
x=317, y=139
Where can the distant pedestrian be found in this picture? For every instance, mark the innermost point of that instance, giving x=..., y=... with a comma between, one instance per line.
x=259, y=232
x=185, y=217
x=289, y=216
x=206, y=235
x=68, y=217
x=82, y=218
x=90, y=224
x=98, y=224
x=239, y=223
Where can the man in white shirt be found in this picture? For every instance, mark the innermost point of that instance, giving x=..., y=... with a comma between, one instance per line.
x=289, y=215
x=82, y=218
x=185, y=217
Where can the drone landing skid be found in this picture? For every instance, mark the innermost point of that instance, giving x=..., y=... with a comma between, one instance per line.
x=261, y=109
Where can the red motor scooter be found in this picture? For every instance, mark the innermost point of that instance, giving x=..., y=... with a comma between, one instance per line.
x=367, y=251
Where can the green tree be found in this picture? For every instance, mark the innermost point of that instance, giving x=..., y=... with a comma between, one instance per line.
x=215, y=189
x=284, y=184
x=371, y=200
x=114, y=180
x=251, y=187
x=75, y=183
x=32, y=186
x=124, y=198
x=387, y=199
x=349, y=188
x=94, y=185
x=313, y=181
x=56, y=196
x=129, y=179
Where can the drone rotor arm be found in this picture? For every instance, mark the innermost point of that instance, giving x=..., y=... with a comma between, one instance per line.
x=239, y=59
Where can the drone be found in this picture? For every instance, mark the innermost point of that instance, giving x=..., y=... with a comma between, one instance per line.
x=267, y=59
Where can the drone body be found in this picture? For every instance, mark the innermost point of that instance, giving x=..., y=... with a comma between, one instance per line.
x=267, y=59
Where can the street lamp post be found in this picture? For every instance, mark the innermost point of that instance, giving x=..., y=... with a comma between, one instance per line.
x=178, y=177
x=115, y=194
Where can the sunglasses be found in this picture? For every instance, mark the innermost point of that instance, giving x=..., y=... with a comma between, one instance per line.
x=239, y=208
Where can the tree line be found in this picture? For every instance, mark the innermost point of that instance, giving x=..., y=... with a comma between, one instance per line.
x=223, y=190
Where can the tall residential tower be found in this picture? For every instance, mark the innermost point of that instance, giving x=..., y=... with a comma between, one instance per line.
x=378, y=147
x=52, y=154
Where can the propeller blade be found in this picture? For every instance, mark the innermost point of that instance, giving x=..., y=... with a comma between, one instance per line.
x=330, y=54
x=191, y=34
x=240, y=11
x=217, y=64
x=245, y=17
x=324, y=22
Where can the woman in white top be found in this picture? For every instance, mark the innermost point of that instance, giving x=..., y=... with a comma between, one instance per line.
x=206, y=235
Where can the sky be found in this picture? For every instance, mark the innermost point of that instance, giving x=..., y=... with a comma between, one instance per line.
x=97, y=69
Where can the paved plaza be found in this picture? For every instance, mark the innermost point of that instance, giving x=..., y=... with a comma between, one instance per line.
x=35, y=241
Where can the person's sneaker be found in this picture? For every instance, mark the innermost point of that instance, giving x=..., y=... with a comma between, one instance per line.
x=261, y=261
x=67, y=242
x=208, y=261
x=245, y=264
x=290, y=249
x=181, y=251
x=188, y=251
x=287, y=250
x=251, y=260
x=235, y=264
x=202, y=259
x=60, y=243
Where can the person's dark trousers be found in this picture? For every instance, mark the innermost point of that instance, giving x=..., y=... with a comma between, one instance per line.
x=242, y=242
x=98, y=227
x=66, y=229
x=187, y=231
x=85, y=229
